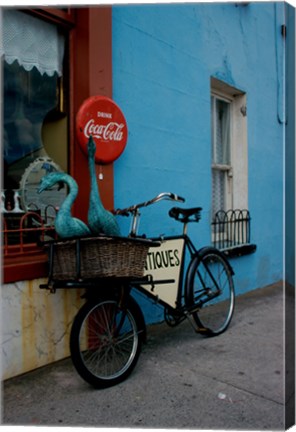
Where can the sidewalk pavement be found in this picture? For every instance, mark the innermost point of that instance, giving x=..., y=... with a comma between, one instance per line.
x=182, y=380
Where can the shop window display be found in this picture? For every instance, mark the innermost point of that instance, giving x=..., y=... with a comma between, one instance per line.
x=33, y=109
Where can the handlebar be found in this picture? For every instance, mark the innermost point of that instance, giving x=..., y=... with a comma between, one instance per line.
x=162, y=196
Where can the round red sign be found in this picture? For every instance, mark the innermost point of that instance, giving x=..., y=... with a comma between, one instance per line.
x=102, y=119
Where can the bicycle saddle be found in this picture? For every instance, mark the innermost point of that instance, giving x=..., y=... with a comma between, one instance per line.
x=185, y=215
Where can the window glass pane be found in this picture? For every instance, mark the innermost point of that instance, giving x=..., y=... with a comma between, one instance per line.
x=220, y=110
x=218, y=191
x=34, y=130
x=28, y=98
x=221, y=136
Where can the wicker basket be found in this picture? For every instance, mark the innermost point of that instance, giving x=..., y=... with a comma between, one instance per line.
x=99, y=257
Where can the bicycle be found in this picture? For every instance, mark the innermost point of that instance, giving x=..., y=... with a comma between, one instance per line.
x=108, y=331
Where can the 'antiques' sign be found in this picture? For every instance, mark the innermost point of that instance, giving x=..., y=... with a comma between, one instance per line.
x=164, y=264
x=100, y=117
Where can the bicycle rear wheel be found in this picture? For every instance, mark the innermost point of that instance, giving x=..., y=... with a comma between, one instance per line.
x=105, y=341
x=210, y=292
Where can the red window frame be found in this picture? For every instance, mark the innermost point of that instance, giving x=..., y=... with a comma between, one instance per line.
x=90, y=74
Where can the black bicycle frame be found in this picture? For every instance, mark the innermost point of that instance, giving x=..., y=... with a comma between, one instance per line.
x=189, y=247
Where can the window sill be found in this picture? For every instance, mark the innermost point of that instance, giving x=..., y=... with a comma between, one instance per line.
x=25, y=266
x=240, y=250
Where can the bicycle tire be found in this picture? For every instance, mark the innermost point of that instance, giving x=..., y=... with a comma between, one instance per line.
x=210, y=279
x=106, y=341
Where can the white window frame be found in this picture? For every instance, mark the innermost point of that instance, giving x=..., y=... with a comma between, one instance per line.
x=238, y=140
x=236, y=196
x=223, y=168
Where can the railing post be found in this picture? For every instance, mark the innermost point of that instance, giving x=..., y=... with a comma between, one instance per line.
x=231, y=228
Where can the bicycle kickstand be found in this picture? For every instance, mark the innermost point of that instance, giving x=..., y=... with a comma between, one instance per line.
x=195, y=327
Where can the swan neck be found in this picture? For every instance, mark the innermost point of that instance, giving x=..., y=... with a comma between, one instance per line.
x=94, y=185
x=70, y=198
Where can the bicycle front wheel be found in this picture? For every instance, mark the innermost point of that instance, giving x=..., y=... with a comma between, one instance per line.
x=105, y=342
x=210, y=292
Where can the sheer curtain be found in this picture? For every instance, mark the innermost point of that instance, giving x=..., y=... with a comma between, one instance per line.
x=222, y=132
x=33, y=51
x=221, y=152
x=31, y=42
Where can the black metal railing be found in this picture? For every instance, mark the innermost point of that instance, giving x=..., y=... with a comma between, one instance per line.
x=20, y=227
x=231, y=228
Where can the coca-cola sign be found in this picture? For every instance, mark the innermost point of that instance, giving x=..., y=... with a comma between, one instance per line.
x=102, y=119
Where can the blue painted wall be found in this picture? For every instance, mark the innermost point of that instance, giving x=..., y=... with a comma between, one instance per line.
x=163, y=58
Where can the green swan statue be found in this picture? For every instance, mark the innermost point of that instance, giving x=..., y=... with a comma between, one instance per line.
x=100, y=220
x=66, y=226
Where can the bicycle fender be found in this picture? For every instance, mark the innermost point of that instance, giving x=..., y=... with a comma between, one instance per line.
x=208, y=249
x=105, y=294
x=140, y=317
x=195, y=261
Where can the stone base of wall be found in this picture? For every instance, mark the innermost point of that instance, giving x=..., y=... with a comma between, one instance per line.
x=35, y=325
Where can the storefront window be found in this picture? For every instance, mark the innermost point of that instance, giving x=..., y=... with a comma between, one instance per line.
x=45, y=51
x=28, y=98
x=34, y=113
